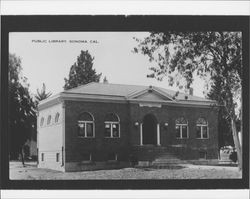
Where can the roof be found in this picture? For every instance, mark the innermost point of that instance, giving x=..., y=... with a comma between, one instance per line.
x=122, y=93
x=124, y=90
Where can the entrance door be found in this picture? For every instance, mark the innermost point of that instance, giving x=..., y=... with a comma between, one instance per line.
x=149, y=129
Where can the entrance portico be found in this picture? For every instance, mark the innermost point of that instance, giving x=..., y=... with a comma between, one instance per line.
x=149, y=131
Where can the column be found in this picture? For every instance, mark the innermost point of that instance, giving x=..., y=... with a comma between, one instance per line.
x=141, y=134
x=158, y=135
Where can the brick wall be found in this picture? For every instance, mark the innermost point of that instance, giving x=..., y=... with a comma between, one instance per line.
x=168, y=114
x=100, y=147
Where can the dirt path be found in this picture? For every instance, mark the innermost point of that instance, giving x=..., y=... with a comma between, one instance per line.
x=188, y=171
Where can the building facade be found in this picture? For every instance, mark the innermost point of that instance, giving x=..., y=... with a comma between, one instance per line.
x=102, y=125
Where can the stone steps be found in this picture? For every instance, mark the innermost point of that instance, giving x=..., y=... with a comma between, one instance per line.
x=156, y=156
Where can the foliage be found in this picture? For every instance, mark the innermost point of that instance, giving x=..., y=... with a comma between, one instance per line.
x=180, y=55
x=82, y=72
x=41, y=95
x=22, y=117
x=105, y=80
x=233, y=156
x=213, y=56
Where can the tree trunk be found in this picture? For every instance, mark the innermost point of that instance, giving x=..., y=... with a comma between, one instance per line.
x=22, y=158
x=237, y=143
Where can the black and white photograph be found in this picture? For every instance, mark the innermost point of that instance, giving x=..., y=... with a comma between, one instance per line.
x=126, y=103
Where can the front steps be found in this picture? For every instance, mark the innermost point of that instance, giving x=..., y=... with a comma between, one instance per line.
x=156, y=156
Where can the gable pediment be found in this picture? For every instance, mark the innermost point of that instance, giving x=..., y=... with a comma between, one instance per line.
x=150, y=94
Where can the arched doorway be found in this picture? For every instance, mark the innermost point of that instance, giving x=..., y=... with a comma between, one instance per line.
x=149, y=129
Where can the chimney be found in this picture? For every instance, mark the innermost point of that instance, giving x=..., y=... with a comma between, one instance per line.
x=191, y=91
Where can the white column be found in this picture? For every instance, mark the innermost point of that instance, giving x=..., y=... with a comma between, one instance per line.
x=158, y=135
x=141, y=134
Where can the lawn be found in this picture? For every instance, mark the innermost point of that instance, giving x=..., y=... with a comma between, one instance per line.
x=187, y=171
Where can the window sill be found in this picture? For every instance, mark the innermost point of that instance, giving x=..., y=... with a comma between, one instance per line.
x=86, y=137
x=202, y=138
x=111, y=137
x=181, y=138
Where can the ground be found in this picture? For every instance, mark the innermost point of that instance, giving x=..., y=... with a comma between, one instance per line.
x=187, y=171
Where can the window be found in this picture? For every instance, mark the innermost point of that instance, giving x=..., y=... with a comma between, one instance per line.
x=49, y=120
x=57, y=117
x=86, y=157
x=86, y=125
x=112, y=156
x=57, y=157
x=181, y=128
x=42, y=156
x=42, y=121
x=201, y=129
x=112, y=126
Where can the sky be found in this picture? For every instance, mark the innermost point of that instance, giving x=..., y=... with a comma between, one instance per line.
x=47, y=60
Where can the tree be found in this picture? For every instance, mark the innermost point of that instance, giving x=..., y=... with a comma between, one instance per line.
x=22, y=117
x=214, y=56
x=105, y=80
x=41, y=95
x=82, y=72
x=224, y=127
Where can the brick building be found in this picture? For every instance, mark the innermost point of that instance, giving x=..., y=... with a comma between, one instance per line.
x=102, y=125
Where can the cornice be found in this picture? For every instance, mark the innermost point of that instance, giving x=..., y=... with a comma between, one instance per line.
x=64, y=96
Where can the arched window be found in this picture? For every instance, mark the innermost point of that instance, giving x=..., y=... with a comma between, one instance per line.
x=181, y=128
x=41, y=121
x=201, y=129
x=57, y=117
x=49, y=120
x=112, y=126
x=86, y=125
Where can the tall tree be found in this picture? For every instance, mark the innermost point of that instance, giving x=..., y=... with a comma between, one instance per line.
x=41, y=95
x=216, y=56
x=225, y=132
x=22, y=117
x=82, y=72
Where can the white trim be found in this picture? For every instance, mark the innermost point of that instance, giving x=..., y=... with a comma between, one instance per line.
x=152, y=89
x=87, y=122
x=181, y=125
x=158, y=135
x=150, y=105
x=163, y=93
x=118, y=99
x=141, y=138
x=111, y=129
x=85, y=129
x=202, y=125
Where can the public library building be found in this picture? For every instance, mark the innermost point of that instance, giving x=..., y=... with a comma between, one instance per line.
x=103, y=125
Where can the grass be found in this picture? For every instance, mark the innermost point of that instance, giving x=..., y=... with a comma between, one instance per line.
x=187, y=171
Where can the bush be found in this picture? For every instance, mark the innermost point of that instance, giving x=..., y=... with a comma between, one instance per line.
x=233, y=156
